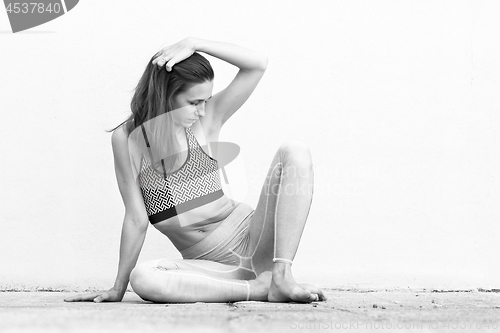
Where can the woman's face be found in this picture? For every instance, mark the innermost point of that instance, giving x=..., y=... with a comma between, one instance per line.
x=189, y=105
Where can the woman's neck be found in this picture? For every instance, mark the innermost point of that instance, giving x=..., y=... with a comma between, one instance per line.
x=179, y=131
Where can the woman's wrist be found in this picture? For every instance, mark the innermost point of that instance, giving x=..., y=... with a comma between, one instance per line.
x=198, y=43
x=231, y=53
x=120, y=287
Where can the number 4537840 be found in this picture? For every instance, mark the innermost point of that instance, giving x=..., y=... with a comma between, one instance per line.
x=33, y=7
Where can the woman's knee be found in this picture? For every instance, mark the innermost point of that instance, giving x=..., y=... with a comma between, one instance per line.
x=140, y=281
x=146, y=282
x=296, y=153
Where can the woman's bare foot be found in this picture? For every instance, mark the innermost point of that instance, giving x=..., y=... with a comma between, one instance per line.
x=259, y=288
x=285, y=289
x=313, y=290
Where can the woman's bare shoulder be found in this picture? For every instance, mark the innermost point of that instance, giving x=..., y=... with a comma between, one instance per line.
x=126, y=145
x=121, y=139
x=118, y=135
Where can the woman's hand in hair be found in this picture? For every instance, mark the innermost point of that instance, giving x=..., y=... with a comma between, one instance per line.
x=175, y=53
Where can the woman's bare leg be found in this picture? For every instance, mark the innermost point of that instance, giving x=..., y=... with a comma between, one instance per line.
x=171, y=281
x=279, y=219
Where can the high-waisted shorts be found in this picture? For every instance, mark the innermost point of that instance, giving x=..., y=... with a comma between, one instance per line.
x=228, y=243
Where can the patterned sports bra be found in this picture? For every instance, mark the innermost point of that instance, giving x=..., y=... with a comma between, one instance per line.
x=195, y=184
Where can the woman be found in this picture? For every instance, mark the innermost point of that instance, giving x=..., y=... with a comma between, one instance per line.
x=231, y=252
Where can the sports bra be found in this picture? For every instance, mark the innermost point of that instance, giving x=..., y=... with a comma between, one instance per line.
x=194, y=184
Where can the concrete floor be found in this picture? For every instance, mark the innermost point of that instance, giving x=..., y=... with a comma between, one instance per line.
x=345, y=310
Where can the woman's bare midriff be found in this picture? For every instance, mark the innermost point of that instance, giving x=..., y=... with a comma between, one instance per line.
x=188, y=228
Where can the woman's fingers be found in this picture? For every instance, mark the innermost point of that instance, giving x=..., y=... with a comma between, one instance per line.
x=101, y=298
x=175, y=53
x=164, y=61
x=75, y=298
x=81, y=297
x=111, y=295
x=160, y=57
x=169, y=65
x=164, y=55
x=160, y=60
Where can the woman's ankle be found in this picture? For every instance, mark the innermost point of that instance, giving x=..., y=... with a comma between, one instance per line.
x=281, y=270
x=258, y=290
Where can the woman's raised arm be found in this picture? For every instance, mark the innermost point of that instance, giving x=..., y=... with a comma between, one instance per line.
x=252, y=65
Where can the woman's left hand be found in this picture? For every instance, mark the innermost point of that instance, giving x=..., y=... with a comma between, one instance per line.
x=175, y=53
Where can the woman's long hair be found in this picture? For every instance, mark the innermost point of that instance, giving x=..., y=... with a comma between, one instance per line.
x=153, y=99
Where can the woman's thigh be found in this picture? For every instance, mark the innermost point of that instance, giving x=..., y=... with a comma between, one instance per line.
x=209, y=267
x=182, y=280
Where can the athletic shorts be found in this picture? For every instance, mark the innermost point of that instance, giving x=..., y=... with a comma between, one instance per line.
x=228, y=243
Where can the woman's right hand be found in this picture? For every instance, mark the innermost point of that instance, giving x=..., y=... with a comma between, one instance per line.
x=175, y=53
x=111, y=295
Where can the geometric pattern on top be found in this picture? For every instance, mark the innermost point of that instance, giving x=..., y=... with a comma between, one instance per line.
x=195, y=184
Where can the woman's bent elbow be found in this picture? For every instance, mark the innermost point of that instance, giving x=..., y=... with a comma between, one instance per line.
x=140, y=223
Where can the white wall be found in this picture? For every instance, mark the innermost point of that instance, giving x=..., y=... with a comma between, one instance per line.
x=398, y=100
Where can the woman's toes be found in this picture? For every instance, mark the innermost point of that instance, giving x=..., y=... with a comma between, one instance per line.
x=314, y=290
x=302, y=295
